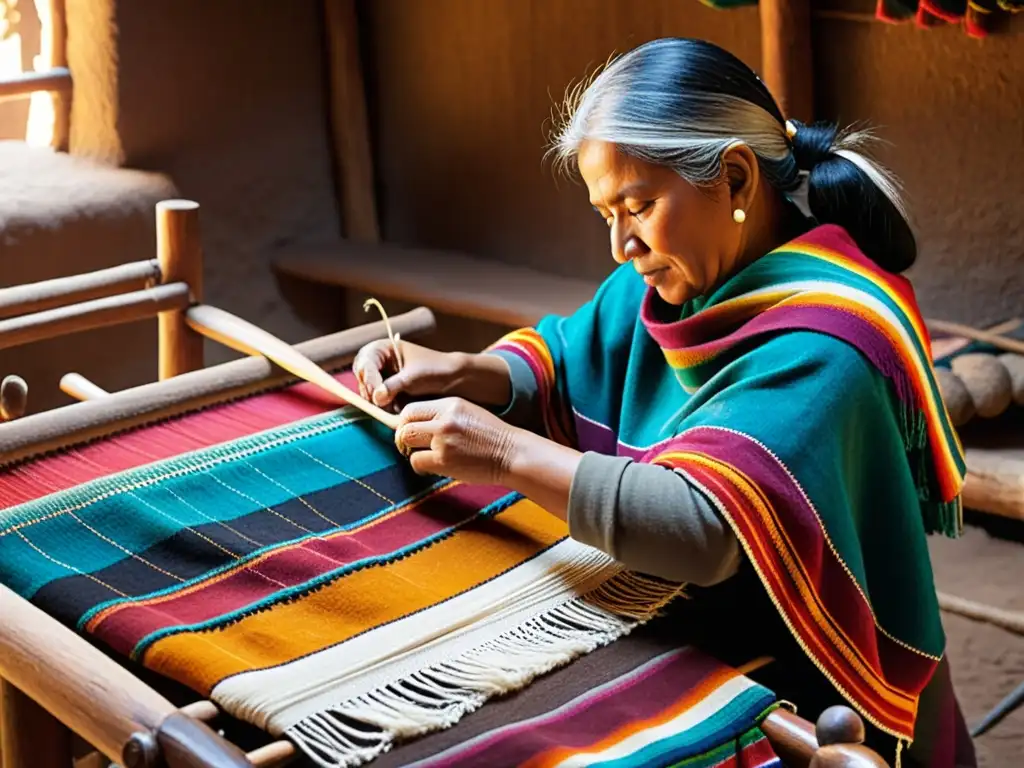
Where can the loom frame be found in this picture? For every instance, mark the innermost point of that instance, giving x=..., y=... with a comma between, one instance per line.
x=63, y=699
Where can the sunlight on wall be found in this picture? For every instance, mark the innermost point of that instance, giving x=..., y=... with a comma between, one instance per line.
x=41, y=116
x=40, y=123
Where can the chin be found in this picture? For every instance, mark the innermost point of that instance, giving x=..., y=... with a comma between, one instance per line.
x=673, y=294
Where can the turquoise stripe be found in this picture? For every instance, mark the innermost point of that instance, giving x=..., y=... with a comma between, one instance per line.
x=139, y=508
x=213, y=572
x=726, y=724
x=494, y=508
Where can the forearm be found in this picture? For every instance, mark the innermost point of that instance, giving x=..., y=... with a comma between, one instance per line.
x=647, y=517
x=542, y=470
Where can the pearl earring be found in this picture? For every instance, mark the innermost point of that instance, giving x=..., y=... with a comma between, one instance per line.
x=739, y=216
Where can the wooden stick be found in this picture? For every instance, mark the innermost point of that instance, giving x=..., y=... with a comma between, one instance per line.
x=245, y=337
x=200, y=710
x=274, y=754
x=46, y=294
x=111, y=310
x=1011, y=621
x=92, y=419
x=786, y=57
x=956, y=329
x=56, y=79
x=949, y=345
x=349, y=132
x=80, y=388
x=179, y=251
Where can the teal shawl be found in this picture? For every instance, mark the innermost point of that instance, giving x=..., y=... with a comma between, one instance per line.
x=800, y=398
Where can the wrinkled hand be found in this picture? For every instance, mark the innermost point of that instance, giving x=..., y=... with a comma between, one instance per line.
x=455, y=438
x=424, y=372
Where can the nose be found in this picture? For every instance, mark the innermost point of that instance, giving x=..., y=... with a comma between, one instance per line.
x=626, y=246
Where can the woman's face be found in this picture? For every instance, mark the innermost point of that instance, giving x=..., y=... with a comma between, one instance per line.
x=682, y=239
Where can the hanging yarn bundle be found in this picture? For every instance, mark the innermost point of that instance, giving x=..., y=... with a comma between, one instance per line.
x=977, y=16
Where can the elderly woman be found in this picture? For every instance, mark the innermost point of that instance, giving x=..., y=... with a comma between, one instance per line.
x=746, y=405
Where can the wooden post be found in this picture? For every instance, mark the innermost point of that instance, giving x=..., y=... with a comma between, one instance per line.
x=58, y=54
x=349, y=132
x=179, y=251
x=30, y=737
x=786, y=59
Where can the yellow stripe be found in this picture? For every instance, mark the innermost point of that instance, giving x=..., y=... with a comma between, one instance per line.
x=822, y=620
x=359, y=601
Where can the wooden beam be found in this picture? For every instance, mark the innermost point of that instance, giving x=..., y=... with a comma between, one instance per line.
x=46, y=294
x=787, y=65
x=86, y=315
x=18, y=86
x=95, y=418
x=353, y=160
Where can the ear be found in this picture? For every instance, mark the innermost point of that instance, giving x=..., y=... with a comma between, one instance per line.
x=742, y=174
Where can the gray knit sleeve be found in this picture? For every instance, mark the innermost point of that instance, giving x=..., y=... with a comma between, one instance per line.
x=651, y=520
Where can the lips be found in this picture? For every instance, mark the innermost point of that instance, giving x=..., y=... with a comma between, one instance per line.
x=650, y=272
x=654, y=276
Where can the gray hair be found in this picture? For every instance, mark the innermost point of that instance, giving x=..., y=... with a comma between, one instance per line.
x=683, y=103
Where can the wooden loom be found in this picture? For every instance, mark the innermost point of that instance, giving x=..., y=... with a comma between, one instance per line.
x=63, y=698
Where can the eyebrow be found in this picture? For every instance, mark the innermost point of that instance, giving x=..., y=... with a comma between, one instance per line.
x=627, y=191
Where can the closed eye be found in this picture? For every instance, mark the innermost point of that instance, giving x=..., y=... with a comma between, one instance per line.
x=642, y=209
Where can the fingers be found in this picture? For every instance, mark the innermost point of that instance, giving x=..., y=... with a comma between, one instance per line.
x=426, y=463
x=369, y=366
x=415, y=436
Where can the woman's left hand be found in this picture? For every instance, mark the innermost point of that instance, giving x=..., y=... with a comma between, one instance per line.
x=455, y=438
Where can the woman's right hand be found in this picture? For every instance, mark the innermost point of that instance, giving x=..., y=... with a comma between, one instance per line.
x=483, y=379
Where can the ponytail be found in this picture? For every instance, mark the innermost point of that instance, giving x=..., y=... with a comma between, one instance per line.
x=846, y=188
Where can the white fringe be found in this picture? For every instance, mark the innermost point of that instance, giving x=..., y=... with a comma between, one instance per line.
x=354, y=732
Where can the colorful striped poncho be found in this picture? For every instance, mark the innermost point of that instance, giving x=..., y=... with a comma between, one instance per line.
x=800, y=398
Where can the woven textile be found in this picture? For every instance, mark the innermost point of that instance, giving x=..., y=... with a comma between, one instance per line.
x=277, y=555
x=679, y=707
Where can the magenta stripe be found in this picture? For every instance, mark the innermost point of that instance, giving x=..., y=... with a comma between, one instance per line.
x=296, y=565
x=846, y=605
x=638, y=695
x=839, y=323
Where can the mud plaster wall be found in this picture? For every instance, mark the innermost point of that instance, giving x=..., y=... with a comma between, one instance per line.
x=228, y=99
x=462, y=90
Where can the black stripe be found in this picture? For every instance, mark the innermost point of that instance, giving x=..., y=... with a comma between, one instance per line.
x=187, y=555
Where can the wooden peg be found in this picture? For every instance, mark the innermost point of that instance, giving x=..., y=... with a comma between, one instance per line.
x=80, y=388
x=13, y=398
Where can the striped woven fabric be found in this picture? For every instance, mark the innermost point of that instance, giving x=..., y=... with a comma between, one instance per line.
x=277, y=555
x=677, y=708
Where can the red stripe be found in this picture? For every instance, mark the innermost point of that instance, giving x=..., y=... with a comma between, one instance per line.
x=189, y=432
x=834, y=587
x=757, y=754
x=128, y=623
x=893, y=715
